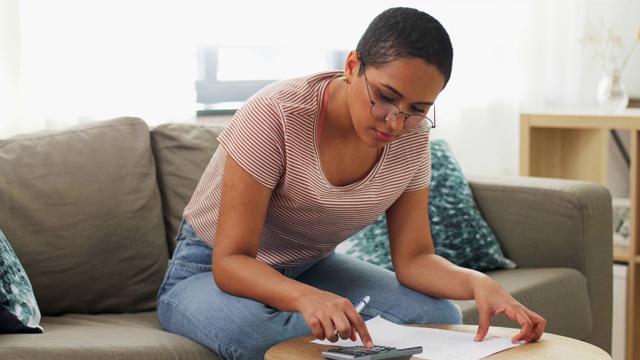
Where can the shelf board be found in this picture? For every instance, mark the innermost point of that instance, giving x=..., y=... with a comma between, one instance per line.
x=620, y=253
x=574, y=145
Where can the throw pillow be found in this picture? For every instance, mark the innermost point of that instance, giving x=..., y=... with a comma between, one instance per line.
x=459, y=232
x=19, y=312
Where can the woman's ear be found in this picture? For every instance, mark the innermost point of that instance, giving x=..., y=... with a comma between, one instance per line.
x=352, y=65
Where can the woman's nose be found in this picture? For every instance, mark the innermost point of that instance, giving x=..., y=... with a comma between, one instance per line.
x=398, y=124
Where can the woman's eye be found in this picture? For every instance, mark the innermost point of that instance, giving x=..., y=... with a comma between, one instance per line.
x=384, y=97
x=422, y=111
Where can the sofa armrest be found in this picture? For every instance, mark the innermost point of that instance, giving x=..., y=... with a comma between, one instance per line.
x=543, y=222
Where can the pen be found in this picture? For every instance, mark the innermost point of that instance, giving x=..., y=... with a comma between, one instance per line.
x=359, y=306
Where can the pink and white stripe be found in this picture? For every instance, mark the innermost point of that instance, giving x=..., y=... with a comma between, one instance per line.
x=273, y=137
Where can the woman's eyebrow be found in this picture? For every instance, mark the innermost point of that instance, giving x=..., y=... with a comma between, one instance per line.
x=399, y=94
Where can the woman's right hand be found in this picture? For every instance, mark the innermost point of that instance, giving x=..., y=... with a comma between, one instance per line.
x=325, y=312
x=243, y=207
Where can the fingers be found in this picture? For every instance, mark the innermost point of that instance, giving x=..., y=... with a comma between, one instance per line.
x=343, y=322
x=316, y=328
x=353, y=334
x=323, y=328
x=337, y=319
x=492, y=300
x=532, y=324
x=525, y=330
x=538, y=325
x=361, y=328
x=343, y=329
x=483, y=325
x=354, y=325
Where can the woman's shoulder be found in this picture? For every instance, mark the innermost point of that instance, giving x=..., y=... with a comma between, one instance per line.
x=294, y=101
x=297, y=89
x=288, y=100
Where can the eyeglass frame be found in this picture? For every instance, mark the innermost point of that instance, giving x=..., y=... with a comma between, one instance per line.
x=395, y=117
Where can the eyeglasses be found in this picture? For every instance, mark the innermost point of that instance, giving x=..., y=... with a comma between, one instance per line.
x=388, y=112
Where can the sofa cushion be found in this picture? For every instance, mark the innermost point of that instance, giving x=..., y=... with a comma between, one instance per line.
x=554, y=293
x=96, y=337
x=182, y=153
x=19, y=312
x=459, y=232
x=84, y=215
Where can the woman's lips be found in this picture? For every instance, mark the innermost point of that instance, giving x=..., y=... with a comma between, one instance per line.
x=383, y=136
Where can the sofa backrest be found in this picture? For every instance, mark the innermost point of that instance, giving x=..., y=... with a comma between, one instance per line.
x=182, y=152
x=82, y=210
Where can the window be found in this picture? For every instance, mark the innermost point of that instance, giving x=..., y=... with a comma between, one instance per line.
x=227, y=76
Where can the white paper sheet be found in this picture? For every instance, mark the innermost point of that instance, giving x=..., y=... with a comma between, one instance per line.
x=437, y=344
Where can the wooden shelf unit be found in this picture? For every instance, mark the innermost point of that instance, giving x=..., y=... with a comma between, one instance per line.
x=575, y=145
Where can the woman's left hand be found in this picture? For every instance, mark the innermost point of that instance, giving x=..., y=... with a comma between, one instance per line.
x=492, y=300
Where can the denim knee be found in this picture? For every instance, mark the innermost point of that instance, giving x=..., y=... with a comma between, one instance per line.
x=422, y=309
x=447, y=312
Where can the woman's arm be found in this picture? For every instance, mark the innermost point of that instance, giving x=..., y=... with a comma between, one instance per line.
x=418, y=267
x=243, y=207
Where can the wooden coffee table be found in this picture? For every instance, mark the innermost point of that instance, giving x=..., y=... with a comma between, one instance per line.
x=550, y=346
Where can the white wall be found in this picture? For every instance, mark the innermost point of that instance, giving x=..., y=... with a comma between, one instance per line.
x=619, y=312
x=527, y=60
x=510, y=56
x=518, y=56
x=9, y=66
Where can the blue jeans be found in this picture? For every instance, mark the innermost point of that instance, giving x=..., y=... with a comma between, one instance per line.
x=190, y=304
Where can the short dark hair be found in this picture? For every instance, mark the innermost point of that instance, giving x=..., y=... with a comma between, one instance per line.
x=403, y=32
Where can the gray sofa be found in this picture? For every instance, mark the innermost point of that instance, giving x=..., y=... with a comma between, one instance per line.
x=92, y=212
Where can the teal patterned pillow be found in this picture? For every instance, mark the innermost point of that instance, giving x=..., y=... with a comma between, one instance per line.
x=459, y=232
x=19, y=312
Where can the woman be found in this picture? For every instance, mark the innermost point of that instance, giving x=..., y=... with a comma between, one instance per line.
x=305, y=164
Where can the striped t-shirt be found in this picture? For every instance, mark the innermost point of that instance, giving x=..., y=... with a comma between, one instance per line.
x=273, y=137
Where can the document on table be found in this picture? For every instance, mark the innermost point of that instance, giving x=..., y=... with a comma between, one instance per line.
x=437, y=344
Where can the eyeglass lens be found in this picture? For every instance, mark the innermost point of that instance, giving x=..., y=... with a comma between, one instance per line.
x=389, y=112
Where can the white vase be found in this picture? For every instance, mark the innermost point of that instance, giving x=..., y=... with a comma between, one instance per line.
x=612, y=95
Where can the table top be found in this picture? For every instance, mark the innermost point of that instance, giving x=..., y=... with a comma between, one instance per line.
x=550, y=346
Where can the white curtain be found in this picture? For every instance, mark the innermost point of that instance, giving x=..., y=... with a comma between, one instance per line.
x=69, y=61
x=9, y=67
